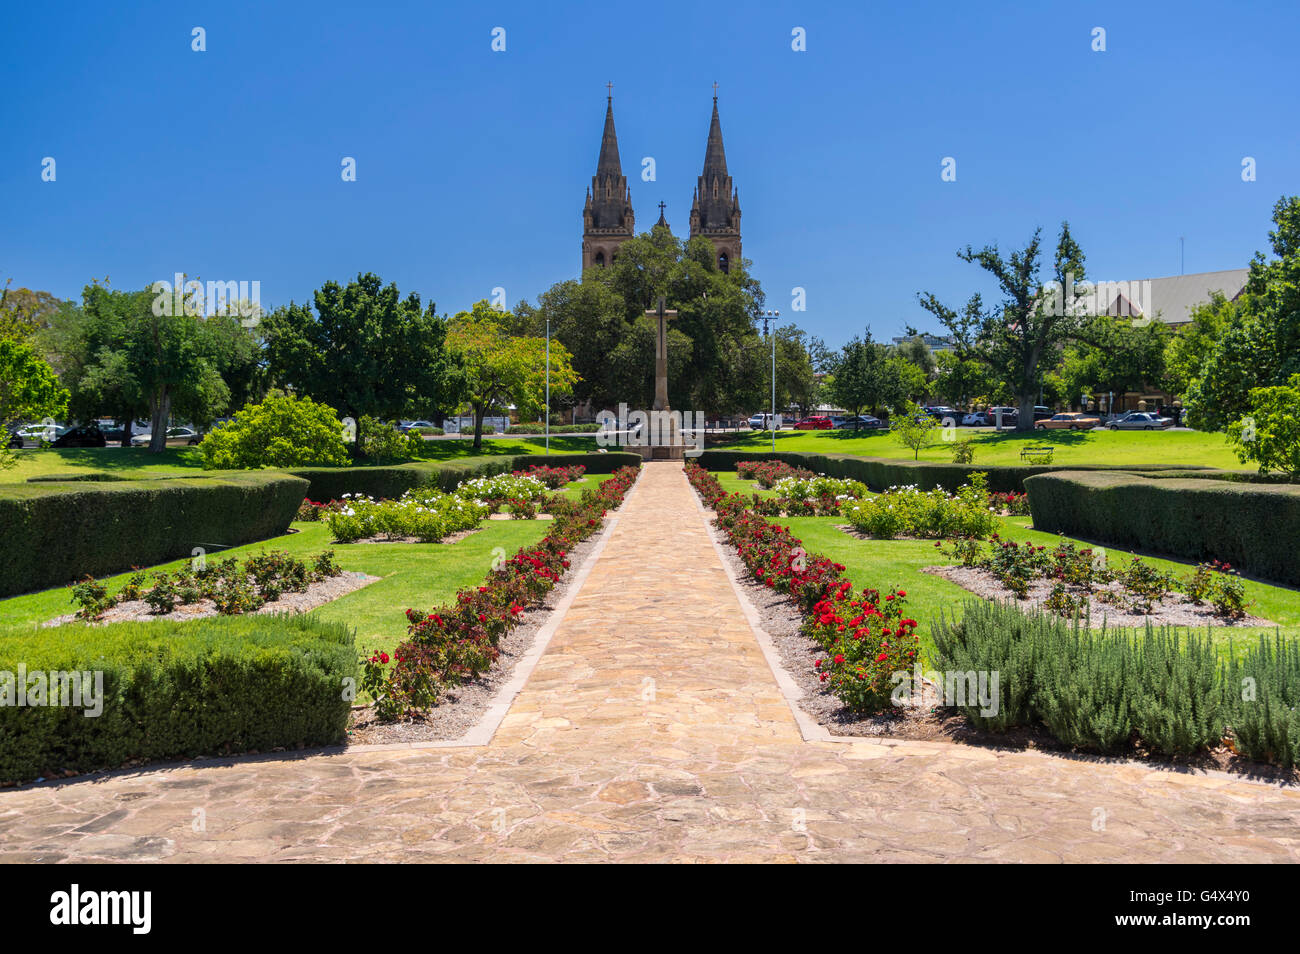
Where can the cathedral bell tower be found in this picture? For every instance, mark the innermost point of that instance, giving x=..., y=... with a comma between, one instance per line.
x=607, y=220
x=715, y=208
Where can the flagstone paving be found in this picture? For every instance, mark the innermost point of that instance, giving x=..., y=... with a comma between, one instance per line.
x=652, y=729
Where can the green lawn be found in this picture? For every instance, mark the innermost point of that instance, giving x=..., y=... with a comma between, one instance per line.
x=883, y=564
x=1072, y=447
x=139, y=462
x=419, y=575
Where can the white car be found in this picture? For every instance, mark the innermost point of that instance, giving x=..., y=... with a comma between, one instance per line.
x=975, y=419
x=186, y=434
x=1140, y=421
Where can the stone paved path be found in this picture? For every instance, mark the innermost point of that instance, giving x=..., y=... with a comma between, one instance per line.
x=653, y=730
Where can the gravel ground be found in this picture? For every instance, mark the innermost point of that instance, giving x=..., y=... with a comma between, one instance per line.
x=463, y=706
x=1174, y=610
x=315, y=595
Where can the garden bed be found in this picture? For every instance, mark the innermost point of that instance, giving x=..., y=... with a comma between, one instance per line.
x=929, y=721
x=316, y=594
x=464, y=706
x=1102, y=608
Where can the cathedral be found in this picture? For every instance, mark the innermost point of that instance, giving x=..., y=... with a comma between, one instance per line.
x=607, y=218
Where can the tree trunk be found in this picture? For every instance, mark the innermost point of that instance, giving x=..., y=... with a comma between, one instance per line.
x=1026, y=421
x=160, y=411
x=479, y=410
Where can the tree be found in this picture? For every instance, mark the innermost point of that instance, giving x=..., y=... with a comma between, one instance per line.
x=1262, y=347
x=118, y=357
x=863, y=376
x=1021, y=337
x=962, y=382
x=1119, y=356
x=1270, y=434
x=364, y=350
x=912, y=427
x=499, y=368
x=282, y=431
x=24, y=313
x=1190, y=345
x=796, y=385
x=716, y=356
x=29, y=389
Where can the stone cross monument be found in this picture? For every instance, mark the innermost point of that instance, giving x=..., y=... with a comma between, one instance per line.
x=661, y=353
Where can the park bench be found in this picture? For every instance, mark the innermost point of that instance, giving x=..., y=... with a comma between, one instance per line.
x=1037, y=453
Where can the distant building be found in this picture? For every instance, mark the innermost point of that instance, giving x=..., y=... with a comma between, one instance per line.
x=1171, y=299
x=934, y=342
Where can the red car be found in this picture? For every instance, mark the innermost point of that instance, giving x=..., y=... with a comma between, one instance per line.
x=814, y=424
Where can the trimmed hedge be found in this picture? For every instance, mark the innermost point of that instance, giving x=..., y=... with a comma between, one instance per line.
x=879, y=473
x=53, y=532
x=331, y=483
x=176, y=690
x=1253, y=526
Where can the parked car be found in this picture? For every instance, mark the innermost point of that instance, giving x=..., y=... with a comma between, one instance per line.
x=405, y=426
x=1010, y=416
x=1140, y=421
x=975, y=419
x=88, y=435
x=33, y=435
x=175, y=435
x=939, y=412
x=1069, y=421
x=1040, y=413
x=814, y=424
x=863, y=422
x=763, y=422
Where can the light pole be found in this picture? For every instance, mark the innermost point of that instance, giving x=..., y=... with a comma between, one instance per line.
x=547, y=413
x=770, y=316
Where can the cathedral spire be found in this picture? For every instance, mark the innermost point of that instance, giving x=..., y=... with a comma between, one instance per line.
x=607, y=220
x=715, y=207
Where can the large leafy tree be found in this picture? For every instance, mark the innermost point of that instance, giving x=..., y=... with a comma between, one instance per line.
x=1119, y=356
x=1190, y=345
x=364, y=350
x=118, y=357
x=1261, y=348
x=717, y=359
x=501, y=368
x=1021, y=337
x=29, y=389
x=865, y=376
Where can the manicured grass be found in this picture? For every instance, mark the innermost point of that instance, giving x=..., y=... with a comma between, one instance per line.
x=418, y=575
x=1182, y=448
x=883, y=564
x=139, y=462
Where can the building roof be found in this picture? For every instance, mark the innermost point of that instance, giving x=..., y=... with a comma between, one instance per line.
x=1173, y=298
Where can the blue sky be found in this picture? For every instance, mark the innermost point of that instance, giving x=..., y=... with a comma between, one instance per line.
x=472, y=164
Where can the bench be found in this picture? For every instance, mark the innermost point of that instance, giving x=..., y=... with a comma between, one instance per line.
x=1037, y=453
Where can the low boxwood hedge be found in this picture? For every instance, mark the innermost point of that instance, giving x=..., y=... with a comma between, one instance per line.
x=172, y=690
x=331, y=483
x=53, y=532
x=881, y=472
x=1253, y=526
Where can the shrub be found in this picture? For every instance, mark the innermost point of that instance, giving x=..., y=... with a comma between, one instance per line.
x=768, y=472
x=92, y=598
x=963, y=450
x=424, y=514
x=1270, y=434
x=283, y=431
x=1250, y=525
x=1261, y=700
x=52, y=533
x=907, y=511
x=176, y=690
x=993, y=638
x=381, y=443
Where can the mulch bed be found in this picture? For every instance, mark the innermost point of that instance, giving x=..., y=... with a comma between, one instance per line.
x=317, y=594
x=1174, y=610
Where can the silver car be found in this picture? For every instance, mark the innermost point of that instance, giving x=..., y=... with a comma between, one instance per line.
x=1140, y=421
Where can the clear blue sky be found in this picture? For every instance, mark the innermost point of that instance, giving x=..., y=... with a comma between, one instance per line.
x=471, y=164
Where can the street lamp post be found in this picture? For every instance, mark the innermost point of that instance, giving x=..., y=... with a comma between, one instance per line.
x=770, y=316
x=547, y=413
